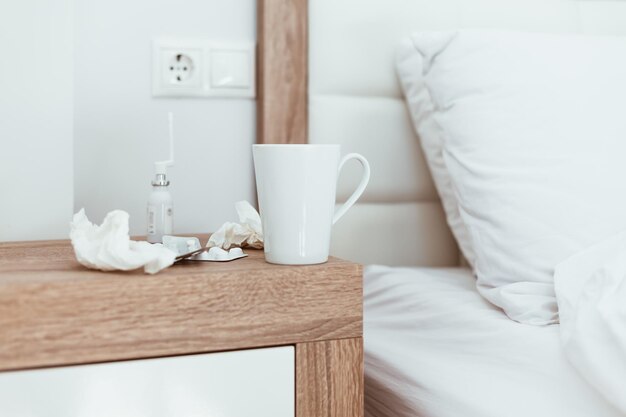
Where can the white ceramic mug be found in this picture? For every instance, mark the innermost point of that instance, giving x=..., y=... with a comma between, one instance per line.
x=296, y=186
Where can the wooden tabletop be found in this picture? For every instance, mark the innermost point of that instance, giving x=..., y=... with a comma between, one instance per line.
x=54, y=311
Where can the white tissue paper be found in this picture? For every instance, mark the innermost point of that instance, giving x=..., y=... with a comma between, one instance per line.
x=108, y=247
x=246, y=233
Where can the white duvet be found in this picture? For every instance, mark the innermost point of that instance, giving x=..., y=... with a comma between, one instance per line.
x=591, y=294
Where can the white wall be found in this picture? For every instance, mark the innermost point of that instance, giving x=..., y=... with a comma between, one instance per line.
x=36, y=71
x=120, y=130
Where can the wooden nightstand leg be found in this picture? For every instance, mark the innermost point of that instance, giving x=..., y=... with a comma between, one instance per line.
x=329, y=378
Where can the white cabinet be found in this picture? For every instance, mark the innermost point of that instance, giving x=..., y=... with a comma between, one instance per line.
x=257, y=383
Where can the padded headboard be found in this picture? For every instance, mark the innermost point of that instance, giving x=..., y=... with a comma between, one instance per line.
x=326, y=75
x=354, y=99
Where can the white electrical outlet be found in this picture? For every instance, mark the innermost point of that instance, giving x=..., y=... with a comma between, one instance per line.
x=178, y=67
x=202, y=68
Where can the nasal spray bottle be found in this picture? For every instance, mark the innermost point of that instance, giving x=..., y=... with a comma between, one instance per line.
x=160, y=209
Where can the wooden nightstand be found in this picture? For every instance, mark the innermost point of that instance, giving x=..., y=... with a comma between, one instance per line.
x=54, y=312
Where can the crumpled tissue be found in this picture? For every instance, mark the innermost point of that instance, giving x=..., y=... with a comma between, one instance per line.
x=108, y=247
x=247, y=233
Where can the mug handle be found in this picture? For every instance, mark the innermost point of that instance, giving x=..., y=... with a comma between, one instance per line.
x=359, y=190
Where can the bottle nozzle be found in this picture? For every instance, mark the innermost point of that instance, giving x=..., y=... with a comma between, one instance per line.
x=160, y=167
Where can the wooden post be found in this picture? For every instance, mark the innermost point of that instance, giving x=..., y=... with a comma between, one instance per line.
x=282, y=71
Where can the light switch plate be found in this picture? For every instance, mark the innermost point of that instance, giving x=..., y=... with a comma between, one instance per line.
x=185, y=67
x=230, y=68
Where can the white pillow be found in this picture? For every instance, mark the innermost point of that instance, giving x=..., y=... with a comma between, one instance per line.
x=409, y=67
x=527, y=134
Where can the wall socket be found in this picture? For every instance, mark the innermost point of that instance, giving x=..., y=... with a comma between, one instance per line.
x=202, y=68
x=181, y=68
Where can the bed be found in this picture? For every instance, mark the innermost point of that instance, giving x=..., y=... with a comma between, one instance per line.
x=433, y=346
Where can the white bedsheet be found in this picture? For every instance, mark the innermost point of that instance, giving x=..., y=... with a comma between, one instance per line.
x=435, y=348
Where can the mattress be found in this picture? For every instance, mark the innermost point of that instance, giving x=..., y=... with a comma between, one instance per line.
x=435, y=348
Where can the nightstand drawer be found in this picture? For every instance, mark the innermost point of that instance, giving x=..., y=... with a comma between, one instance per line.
x=258, y=382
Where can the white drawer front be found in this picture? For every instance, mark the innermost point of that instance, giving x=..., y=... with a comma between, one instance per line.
x=257, y=383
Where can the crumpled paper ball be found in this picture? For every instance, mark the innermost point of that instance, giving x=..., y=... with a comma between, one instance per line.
x=108, y=247
x=247, y=233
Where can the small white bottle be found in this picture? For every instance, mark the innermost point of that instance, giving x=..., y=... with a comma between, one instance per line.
x=160, y=207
